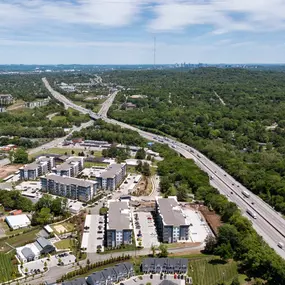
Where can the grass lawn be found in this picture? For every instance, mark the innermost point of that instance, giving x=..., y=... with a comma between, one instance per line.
x=89, y=164
x=62, y=151
x=211, y=270
x=63, y=244
x=131, y=169
x=69, y=227
x=153, y=170
x=58, y=118
x=127, y=247
x=19, y=240
x=97, y=108
x=8, y=270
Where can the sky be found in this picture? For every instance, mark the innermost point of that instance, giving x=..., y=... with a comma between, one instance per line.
x=123, y=31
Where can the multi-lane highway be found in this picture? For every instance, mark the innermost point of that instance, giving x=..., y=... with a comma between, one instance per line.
x=269, y=224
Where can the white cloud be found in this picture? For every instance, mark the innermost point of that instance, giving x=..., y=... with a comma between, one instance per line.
x=256, y=15
x=100, y=12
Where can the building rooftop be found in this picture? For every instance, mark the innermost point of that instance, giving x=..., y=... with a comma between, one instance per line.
x=18, y=221
x=31, y=166
x=119, y=215
x=66, y=165
x=112, y=170
x=171, y=212
x=70, y=180
x=34, y=165
x=27, y=253
x=43, y=242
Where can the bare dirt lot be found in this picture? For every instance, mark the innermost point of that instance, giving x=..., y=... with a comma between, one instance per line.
x=8, y=169
x=213, y=220
x=144, y=187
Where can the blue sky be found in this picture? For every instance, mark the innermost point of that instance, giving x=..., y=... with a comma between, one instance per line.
x=122, y=31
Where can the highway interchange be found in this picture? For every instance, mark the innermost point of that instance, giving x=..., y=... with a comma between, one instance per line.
x=269, y=223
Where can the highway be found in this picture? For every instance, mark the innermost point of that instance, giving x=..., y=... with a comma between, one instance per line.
x=269, y=223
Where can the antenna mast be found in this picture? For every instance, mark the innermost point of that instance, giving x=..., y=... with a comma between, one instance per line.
x=154, y=51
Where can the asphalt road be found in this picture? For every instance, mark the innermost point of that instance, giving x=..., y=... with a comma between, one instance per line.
x=269, y=223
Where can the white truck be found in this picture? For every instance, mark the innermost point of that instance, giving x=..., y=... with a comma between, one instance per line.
x=245, y=193
x=251, y=213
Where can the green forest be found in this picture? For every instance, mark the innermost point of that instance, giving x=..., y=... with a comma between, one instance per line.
x=236, y=238
x=33, y=123
x=234, y=116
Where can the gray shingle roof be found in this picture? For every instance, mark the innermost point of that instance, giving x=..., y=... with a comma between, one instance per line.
x=171, y=212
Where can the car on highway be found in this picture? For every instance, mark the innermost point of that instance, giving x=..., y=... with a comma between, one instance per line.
x=280, y=244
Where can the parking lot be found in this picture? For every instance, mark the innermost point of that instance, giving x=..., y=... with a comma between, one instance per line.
x=127, y=187
x=37, y=266
x=93, y=236
x=199, y=229
x=144, y=229
x=155, y=280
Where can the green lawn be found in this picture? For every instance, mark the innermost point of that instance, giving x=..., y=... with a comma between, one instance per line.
x=131, y=169
x=62, y=151
x=58, y=118
x=63, y=244
x=8, y=270
x=89, y=164
x=19, y=240
x=125, y=248
x=211, y=270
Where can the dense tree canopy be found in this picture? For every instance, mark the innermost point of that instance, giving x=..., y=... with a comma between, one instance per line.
x=236, y=238
x=14, y=200
x=245, y=135
x=111, y=133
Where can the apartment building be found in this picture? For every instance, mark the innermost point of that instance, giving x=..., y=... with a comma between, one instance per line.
x=165, y=265
x=173, y=224
x=119, y=223
x=111, y=275
x=112, y=177
x=6, y=99
x=71, y=167
x=69, y=187
x=41, y=166
x=39, y=103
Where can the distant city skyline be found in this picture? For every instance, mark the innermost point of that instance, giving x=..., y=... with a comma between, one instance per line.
x=122, y=31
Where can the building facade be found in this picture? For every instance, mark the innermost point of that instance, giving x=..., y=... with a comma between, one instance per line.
x=6, y=99
x=69, y=187
x=39, y=103
x=111, y=275
x=33, y=251
x=71, y=167
x=119, y=223
x=165, y=265
x=112, y=177
x=41, y=166
x=173, y=224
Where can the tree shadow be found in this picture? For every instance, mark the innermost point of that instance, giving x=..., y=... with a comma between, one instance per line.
x=217, y=261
